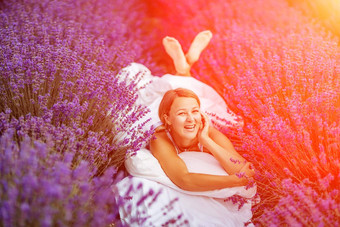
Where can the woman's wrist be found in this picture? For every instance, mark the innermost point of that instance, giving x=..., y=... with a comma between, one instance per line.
x=206, y=141
x=239, y=180
x=243, y=180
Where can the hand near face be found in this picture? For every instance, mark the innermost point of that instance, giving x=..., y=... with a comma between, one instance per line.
x=203, y=132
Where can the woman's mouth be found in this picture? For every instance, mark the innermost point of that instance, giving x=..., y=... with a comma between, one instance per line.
x=190, y=127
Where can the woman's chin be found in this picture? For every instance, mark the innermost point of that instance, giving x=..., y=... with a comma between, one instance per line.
x=190, y=135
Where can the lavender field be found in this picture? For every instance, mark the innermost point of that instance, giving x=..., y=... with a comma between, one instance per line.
x=64, y=108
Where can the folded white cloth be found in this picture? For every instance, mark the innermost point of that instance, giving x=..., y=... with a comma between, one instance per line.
x=144, y=202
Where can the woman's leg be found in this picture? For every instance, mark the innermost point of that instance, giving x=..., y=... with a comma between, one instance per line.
x=174, y=50
x=199, y=43
x=183, y=62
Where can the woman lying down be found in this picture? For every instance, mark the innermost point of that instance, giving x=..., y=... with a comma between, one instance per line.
x=190, y=173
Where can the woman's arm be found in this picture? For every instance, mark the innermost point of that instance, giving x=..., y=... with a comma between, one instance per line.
x=221, y=148
x=175, y=168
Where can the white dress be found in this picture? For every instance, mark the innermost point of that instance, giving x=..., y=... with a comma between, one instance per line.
x=148, y=197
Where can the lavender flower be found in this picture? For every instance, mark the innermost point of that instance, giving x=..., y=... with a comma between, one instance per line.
x=54, y=81
x=62, y=108
x=39, y=186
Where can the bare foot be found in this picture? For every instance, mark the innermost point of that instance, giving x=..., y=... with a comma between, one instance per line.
x=200, y=42
x=174, y=50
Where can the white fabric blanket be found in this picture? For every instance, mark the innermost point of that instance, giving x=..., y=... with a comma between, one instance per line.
x=145, y=165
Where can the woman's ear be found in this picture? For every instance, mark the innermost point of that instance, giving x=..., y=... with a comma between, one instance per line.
x=166, y=119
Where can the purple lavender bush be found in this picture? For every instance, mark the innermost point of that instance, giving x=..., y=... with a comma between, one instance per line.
x=40, y=187
x=63, y=110
x=326, y=12
x=52, y=69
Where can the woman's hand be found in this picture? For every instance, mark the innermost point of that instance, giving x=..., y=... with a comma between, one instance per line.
x=203, y=133
x=247, y=170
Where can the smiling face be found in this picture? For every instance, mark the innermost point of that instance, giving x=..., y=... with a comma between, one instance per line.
x=184, y=118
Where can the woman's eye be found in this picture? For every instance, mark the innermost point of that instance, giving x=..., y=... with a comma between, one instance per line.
x=195, y=111
x=182, y=113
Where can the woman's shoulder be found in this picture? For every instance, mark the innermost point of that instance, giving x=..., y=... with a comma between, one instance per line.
x=161, y=143
x=160, y=128
x=160, y=134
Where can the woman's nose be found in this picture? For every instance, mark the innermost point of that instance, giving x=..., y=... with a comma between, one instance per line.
x=190, y=117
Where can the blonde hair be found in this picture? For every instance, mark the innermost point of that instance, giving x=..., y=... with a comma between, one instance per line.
x=170, y=96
